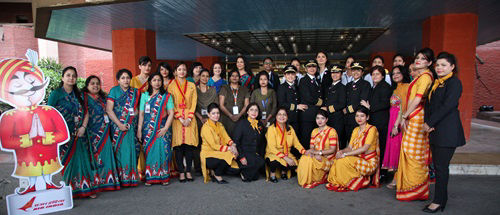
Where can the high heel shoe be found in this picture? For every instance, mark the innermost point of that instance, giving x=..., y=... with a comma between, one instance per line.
x=428, y=210
x=273, y=179
x=182, y=180
x=284, y=176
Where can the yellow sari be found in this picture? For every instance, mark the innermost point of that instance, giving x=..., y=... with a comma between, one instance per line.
x=412, y=177
x=215, y=143
x=352, y=173
x=310, y=171
x=135, y=82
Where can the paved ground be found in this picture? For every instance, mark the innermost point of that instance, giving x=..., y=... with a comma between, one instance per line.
x=467, y=194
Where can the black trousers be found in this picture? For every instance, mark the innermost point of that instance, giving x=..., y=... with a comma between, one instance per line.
x=305, y=132
x=274, y=165
x=181, y=152
x=382, y=139
x=338, y=125
x=218, y=165
x=441, y=156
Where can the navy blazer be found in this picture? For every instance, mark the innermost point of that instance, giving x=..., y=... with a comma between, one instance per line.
x=441, y=113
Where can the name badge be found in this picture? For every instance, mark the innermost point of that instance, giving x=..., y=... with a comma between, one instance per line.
x=235, y=110
x=264, y=115
x=147, y=108
x=131, y=111
x=204, y=112
x=106, y=119
x=76, y=119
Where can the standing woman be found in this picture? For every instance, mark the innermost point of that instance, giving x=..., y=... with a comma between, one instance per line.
x=155, y=118
x=296, y=62
x=314, y=165
x=323, y=74
x=218, y=76
x=400, y=80
x=398, y=60
x=357, y=166
x=141, y=81
x=193, y=75
x=167, y=74
x=335, y=100
x=122, y=109
x=442, y=121
x=379, y=103
x=76, y=154
x=246, y=76
x=218, y=153
x=99, y=138
x=347, y=75
x=379, y=61
x=233, y=100
x=310, y=95
x=412, y=177
x=185, y=129
x=265, y=97
x=281, y=137
x=248, y=137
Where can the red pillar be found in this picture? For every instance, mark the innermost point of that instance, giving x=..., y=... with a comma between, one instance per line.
x=387, y=59
x=207, y=61
x=456, y=34
x=128, y=45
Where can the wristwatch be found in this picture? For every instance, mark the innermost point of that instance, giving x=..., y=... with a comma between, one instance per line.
x=321, y=152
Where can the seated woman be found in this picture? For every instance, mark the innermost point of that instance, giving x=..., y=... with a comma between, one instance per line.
x=280, y=138
x=248, y=137
x=218, y=153
x=357, y=165
x=314, y=165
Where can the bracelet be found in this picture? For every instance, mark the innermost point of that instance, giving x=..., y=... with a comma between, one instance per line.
x=344, y=154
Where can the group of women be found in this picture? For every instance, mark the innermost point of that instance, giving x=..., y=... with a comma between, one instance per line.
x=333, y=125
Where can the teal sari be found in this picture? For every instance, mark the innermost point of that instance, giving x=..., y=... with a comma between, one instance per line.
x=101, y=145
x=157, y=149
x=79, y=167
x=124, y=143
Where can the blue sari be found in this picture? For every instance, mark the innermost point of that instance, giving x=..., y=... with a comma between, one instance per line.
x=79, y=166
x=157, y=149
x=101, y=145
x=124, y=143
x=217, y=84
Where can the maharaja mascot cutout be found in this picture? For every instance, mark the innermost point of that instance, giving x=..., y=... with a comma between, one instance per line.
x=33, y=133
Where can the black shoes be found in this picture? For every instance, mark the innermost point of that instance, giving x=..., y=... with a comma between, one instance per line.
x=217, y=181
x=428, y=210
x=284, y=176
x=273, y=179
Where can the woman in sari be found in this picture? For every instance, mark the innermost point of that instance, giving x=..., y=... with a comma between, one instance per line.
x=79, y=167
x=357, y=166
x=155, y=118
x=185, y=129
x=412, y=177
x=122, y=109
x=314, y=165
x=400, y=80
x=218, y=152
x=281, y=138
x=246, y=76
x=98, y=131
x=218, y=76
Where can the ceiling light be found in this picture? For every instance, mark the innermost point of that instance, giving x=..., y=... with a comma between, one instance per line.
x=292, y=38
x=214, y=41
x=276, y=38
x=228, y=40
x=308, y=47
x=217, y=43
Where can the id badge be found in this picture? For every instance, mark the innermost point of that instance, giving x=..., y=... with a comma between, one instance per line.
x=235, y=110
x=147, y=108
x=131, y=111
x=76, y=119
x=204, y=112
x=264, y=115
x=106, y=119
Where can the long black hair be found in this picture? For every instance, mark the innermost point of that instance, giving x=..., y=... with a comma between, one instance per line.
x=85, y=89
x=190, y=72
x=150, y=88
x=77, y=92
x=247, y=68
x=168, y=68
x=251, y=105
x=404, y=71
x=429, y=55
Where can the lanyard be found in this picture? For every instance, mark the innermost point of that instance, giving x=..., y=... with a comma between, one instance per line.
x=264, y=104
x=235, y=95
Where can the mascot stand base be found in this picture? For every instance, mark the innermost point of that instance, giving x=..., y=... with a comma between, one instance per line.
x=40, y=202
